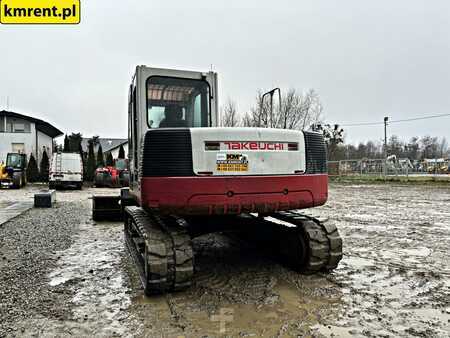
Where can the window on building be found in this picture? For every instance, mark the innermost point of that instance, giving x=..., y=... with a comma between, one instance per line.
x=18, y=148
x=9, y=126
x=19, y=127
x=14, y=125
x=2, y=124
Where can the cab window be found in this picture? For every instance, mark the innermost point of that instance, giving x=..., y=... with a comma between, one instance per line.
x=177, y=102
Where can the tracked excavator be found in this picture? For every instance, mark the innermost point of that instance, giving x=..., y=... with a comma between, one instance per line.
x=190, y=177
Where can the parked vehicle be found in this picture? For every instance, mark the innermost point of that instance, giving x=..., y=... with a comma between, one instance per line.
x=13, y=174
x=66, y=170
x=113, y=176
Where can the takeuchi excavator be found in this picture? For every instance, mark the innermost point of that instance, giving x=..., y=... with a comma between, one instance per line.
x=190, y=177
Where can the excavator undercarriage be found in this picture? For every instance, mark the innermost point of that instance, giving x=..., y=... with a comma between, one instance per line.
x=161, y=246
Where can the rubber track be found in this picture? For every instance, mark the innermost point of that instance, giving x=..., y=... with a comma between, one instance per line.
x=324, y=243
x=181, y=262
x=161, y=250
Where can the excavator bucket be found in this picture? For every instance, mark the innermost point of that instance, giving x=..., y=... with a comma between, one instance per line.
x=106, y=208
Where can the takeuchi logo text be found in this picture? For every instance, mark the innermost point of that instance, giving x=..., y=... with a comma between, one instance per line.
x=236, y=145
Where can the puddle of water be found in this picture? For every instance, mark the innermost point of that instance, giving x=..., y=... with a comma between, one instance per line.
x=286, y=311
x=157, y=302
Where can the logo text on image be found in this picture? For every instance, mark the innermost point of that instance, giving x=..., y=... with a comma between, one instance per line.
x=40, y=12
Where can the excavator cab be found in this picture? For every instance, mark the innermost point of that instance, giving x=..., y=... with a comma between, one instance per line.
x=167, y=99
x=160, y=99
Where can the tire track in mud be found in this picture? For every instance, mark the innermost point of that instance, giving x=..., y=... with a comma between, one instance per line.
x=92, y=264
x=262, y=297
x=225, y=265
x=394, y=274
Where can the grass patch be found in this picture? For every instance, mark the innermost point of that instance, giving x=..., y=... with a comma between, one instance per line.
x=374, y=179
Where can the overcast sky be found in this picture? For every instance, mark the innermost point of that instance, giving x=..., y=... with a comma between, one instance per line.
x=366, y=59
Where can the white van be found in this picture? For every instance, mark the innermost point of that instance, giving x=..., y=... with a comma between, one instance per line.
x=66, y=170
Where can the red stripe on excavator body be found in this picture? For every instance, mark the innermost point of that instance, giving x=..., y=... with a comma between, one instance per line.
x=219, y=195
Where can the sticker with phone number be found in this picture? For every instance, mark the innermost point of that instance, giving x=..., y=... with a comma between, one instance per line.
x=232, y=162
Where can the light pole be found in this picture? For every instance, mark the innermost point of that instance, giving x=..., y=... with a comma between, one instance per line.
x=385, y=145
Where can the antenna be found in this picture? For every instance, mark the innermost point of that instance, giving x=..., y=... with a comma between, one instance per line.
x=7, y=102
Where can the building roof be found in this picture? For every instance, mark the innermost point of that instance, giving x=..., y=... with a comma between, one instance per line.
x=117, y=146
x=42, y=126
x=108, y=144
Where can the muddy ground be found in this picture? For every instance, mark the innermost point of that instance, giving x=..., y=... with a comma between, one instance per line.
x=61, y=274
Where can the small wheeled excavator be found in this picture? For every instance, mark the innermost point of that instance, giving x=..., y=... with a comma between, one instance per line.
x=189, y=177
x=13, y=174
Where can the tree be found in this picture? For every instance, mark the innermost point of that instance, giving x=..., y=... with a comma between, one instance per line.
x=32, y=170
x=443, y=147
x=44, y=167
x=297, y=111
x=361, y=151
x=109, y=159
x=333, y=136
x=300, y=111
x=121, y=152
x=289, y=115
x=259, y=115
x=395, y=146
x=229, y=116
x=74, y=142
x=372, y=150
x=66, y=144
x=100, y=158
x=413, y=148
x=90, y=167
x=430, y=147
x=83, y=156
x=247, y=120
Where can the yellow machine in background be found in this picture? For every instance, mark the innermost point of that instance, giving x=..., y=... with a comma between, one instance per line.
x=3, y=173
x=13, y=173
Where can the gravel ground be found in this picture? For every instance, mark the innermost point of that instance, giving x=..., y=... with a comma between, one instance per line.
x=29, y=246
x=64, y=275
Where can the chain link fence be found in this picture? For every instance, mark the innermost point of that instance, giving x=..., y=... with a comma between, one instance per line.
x=389, y=167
